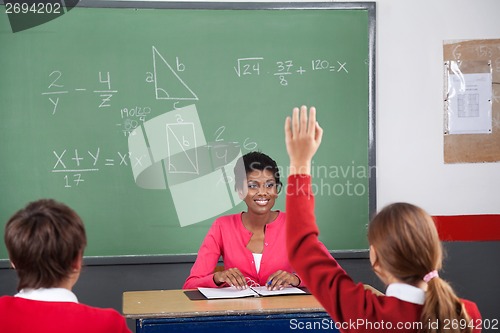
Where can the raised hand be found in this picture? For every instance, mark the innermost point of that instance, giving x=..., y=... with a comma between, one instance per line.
x=302, y=137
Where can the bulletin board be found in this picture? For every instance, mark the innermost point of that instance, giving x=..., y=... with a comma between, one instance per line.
x=474, y=56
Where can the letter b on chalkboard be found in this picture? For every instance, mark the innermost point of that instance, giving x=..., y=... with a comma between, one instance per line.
x=170, y=152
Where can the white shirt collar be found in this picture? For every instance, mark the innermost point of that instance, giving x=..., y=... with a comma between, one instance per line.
x=257, y=258
x=48, y=295
x=406, y=292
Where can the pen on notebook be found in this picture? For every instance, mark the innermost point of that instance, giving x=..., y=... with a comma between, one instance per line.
x=268, y=284
x=281, y=287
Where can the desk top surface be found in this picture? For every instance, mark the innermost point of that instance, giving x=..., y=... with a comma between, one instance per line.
x=174, y=303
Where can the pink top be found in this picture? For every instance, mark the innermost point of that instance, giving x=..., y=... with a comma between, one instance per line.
x=227, y=237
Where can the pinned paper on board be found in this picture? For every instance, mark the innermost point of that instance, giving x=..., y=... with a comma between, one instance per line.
x=471, y=98
x=468, y=104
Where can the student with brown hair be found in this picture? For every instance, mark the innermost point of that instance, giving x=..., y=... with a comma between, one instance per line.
x=405, y=252
x=45, y=241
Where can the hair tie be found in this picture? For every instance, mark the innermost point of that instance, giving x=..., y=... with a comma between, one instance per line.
x=431, y=275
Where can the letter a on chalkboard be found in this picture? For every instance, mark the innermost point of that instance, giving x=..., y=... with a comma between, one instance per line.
x=168, y=84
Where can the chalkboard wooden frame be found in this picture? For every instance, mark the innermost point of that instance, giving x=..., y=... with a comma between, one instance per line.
x=366, y=6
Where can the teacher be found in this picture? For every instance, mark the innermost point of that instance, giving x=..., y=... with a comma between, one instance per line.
x=251, y=243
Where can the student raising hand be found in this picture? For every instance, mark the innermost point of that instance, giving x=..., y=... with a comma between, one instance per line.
x=302, y=137
x=405, y=252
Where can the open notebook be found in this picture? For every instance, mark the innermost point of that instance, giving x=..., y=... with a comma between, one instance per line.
x=232, y=292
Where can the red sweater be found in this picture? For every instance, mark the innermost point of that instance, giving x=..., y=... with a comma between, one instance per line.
x=19, y=315
x=353, y=308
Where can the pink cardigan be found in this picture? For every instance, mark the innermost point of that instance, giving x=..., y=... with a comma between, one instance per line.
x=228, y=238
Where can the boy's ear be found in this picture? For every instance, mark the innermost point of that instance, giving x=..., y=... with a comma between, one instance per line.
x=78, y=263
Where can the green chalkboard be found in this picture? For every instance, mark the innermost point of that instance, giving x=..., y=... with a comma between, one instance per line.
x=134, y=116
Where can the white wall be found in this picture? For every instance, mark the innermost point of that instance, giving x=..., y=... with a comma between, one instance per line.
x=410, y=163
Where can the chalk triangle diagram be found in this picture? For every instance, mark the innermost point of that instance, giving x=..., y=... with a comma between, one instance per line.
x=182, y=137
x=168, y=84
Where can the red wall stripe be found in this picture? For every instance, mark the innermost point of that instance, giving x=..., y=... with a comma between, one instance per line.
x=468, y=227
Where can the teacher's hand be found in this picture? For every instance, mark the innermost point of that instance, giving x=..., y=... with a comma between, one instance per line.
x=302, y=137
x=231, y=276
x=282, y=279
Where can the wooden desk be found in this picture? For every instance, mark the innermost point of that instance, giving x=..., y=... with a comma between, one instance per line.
x=172, y=311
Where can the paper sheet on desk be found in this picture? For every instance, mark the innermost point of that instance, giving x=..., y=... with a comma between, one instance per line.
x=263, y=291
x=232, y=292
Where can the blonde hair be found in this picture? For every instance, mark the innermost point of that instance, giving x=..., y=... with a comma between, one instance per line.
x=408, y=247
